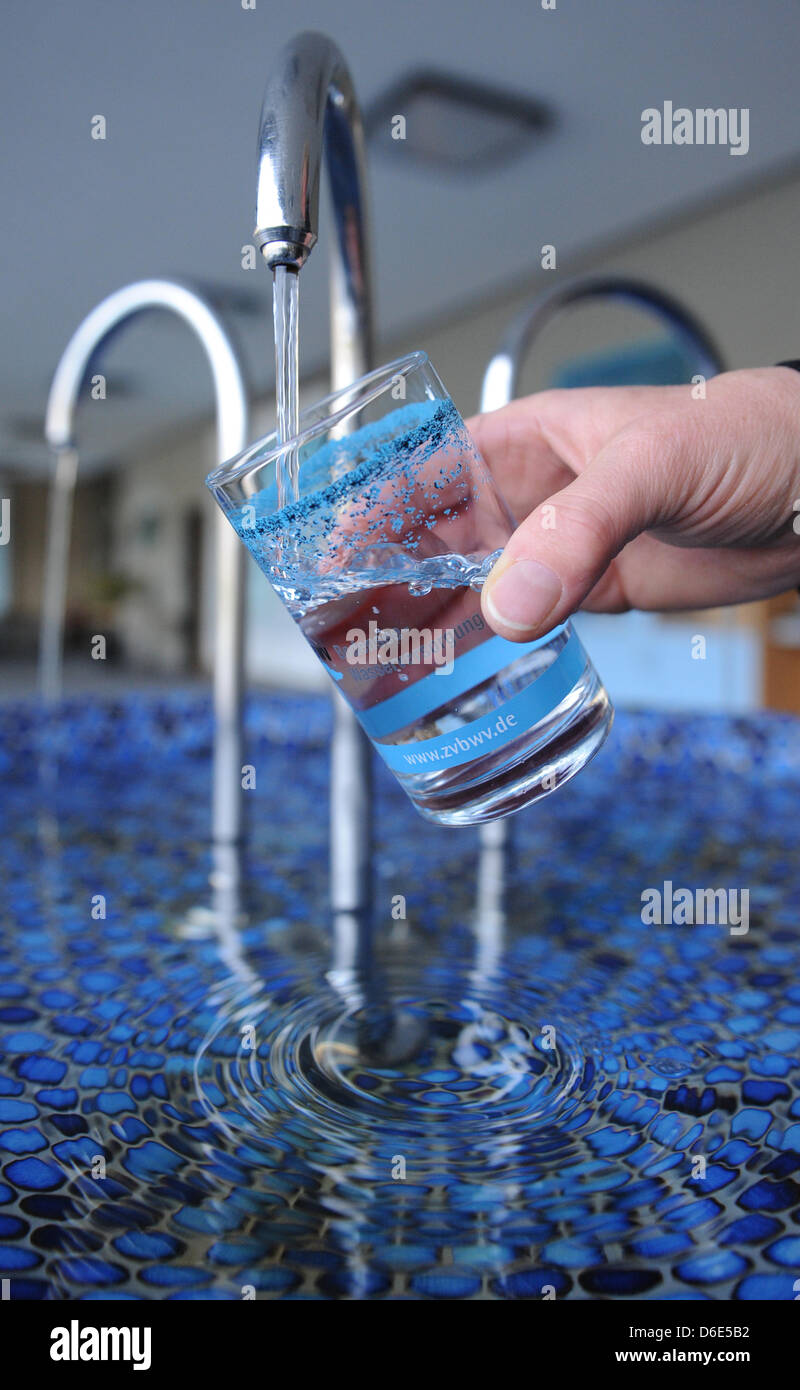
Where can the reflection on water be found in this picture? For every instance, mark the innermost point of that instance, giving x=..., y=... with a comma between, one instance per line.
x=509, y=1096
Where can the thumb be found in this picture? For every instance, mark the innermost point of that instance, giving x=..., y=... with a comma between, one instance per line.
x=563, y=548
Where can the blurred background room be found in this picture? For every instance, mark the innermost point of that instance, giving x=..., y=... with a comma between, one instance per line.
x=522, y=164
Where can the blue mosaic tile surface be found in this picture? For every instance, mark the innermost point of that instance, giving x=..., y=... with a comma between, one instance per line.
x=150, y=1149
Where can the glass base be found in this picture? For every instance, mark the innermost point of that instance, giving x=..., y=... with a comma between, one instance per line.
x=526, y=770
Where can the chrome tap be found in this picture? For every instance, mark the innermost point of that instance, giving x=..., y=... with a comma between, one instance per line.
x=231, y=405
x=310, y=107
x=501, y=378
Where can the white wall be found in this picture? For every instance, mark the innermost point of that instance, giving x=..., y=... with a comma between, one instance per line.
x=166, y=484
x=155, y=493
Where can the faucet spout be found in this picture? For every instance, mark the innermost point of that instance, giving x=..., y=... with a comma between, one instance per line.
x=309, y=113
x=308, y=98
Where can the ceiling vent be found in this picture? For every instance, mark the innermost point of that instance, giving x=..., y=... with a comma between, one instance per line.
x=447, y=122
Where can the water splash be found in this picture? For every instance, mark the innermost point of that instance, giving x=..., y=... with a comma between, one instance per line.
x=426, y=1066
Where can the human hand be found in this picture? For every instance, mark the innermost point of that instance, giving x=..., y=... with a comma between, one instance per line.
x=645, y=497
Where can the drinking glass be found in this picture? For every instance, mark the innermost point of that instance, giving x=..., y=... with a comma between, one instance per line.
x=377, y=525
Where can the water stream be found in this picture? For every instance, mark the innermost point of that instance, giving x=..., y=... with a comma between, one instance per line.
x=285, y=296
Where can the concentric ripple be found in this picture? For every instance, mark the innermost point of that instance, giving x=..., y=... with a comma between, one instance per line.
x=356, y=1071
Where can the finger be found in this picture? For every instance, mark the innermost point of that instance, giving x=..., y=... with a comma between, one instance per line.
x=573, y=424
x=563, y=549
x=656, y=577
x=523, y=464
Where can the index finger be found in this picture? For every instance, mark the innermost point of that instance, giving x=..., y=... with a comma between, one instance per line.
x=535, y=446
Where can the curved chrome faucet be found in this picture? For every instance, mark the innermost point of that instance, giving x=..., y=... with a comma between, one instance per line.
x=501, y=381
x=309, y=107
x=231, y=409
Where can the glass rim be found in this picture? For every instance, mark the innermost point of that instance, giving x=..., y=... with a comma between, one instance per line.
x=358, y=394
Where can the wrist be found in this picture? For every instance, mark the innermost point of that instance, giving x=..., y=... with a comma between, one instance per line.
x=789, y=373
x=787, y=377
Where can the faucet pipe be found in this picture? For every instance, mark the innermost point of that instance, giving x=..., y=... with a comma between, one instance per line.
x=310, y=112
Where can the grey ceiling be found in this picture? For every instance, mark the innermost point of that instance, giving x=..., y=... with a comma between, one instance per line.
x=171, y=188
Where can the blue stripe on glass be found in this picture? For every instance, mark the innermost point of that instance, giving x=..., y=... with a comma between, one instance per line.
x=437, y=689
x=497, y=728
